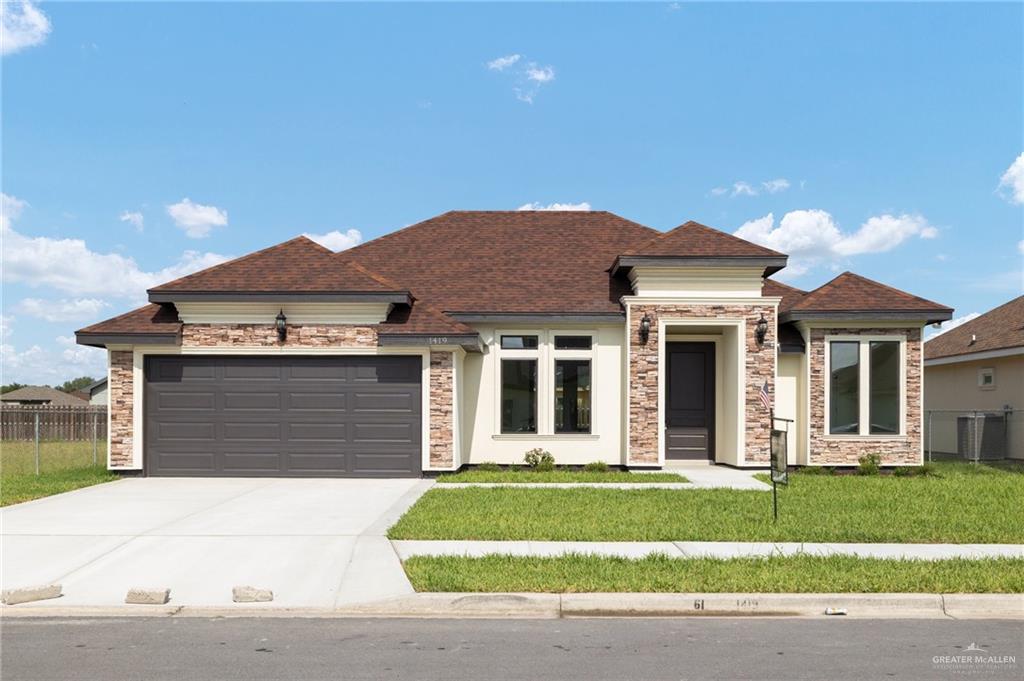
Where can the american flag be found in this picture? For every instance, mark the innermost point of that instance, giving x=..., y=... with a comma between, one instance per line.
x=765, y=399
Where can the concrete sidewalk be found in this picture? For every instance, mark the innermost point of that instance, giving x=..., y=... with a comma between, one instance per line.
x=407, y=548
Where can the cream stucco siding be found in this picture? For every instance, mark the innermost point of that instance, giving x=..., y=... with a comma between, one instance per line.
x=788, y=390
x=482, y=439
x=953, y=389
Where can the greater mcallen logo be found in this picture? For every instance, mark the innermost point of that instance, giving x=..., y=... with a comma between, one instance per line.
x=974, y=659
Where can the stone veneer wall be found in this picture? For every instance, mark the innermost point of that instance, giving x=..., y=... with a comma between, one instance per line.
x=265, y=335
x=442, y=423
x=826, y=450
x=121, y=394
x=643, y=376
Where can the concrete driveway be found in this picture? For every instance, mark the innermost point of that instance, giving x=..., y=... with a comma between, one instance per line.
x=315, y=543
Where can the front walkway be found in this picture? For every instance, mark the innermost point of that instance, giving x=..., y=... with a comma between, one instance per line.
x=313, y=542
x=407, y=548
x=706, y=476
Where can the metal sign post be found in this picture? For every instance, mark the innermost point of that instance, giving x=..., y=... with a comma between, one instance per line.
x=779, y=473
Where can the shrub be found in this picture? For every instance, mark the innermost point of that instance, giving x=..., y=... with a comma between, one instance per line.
x=869, y=463
x=904, y=472
x=540, y=460
x=596, y=467
x=927, y=470
x=489, y=466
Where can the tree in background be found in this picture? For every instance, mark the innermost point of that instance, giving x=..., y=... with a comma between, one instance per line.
x=10, y=386
x=75, y=384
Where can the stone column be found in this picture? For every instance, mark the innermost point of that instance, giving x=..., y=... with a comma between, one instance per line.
x=442, y=409
x=121, y=406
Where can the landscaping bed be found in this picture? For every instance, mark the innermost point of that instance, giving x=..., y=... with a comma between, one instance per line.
x=960, y=503
x=791, y=574
x=525, y=475
x=15, y=489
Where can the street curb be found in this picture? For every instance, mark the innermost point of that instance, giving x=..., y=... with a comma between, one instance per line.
x=554, y=606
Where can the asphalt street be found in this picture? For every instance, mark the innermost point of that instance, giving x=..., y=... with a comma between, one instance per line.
x=680, y=648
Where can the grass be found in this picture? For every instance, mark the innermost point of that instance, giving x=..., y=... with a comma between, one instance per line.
x=63, y=466
x=961, y=503
x=15, y=489
x=520, y=475
x=790, y=574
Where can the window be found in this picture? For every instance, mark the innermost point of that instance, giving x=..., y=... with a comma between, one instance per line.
x=572, y=395
x=865, y=386
x=572, y=342
x=884, y=382
x=844, y=390
x=518, y=342
x=518, y=395
x=987, y=379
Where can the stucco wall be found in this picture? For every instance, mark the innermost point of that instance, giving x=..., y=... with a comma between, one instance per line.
x=953, y=389
x=481, y=423
x=787, y=401
x=828, y=449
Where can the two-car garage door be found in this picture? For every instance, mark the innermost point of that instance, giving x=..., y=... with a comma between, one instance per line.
x=308, y=416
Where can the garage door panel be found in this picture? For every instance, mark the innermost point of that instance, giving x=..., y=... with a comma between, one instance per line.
x=283, y=416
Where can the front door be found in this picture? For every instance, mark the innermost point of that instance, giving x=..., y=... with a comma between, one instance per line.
x=690, y=401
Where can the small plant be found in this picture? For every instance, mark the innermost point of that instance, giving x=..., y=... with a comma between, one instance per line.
x=815, y=470
x=596, y=467
x=540, y=460
x=869, y=463
x=904, y=472
x=927, y=470
x=488, y=466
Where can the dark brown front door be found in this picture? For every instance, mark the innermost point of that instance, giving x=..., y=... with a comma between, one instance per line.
x=690, y=401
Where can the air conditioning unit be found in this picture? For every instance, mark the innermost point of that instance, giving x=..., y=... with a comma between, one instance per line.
x=981, y=437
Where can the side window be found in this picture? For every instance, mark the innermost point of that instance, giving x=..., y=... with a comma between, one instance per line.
x=519, y=396
x=844, y=387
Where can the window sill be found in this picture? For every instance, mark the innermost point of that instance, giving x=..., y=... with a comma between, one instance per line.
x=865, y=438
x=545, y=438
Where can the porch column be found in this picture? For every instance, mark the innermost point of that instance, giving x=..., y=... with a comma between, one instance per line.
x=121, y=407
x=442, y=409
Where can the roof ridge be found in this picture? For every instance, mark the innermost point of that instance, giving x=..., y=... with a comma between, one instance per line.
x=241, y=258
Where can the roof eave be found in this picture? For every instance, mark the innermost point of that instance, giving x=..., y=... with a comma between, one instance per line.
x=469, y=342
x=537, y=317
x=400, y=297
x=770, y=264
x=100, y=339
x=920, y=316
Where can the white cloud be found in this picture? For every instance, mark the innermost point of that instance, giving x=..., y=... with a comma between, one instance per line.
x=337, y=240
x=775, y=186
x=540, y=74
x=744, y=188
x=502, y=63
x=63, y=310
x=71, y=267
x=950, y=325
x=1011, y=184
x=38, y=365
x=583, y=206
x=1020, y=246
x=134, y=218
x=812, y=237
x=196, y=219
x=22, y=25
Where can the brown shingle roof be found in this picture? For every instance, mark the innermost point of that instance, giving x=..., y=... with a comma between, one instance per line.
x=152, y=318
x=421, y=318
x=43, y=394
x=999, y=329
x=299, y=265
x=790, y=295
x=694, y=239
x=851, y=292
x=508, y=261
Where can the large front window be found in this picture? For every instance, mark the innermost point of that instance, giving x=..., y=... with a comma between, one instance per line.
x=519, y=396
x=572, y=395
x=864, y=388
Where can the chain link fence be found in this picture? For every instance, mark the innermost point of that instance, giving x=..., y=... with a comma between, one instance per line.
x=972, y=434
x=38, y=439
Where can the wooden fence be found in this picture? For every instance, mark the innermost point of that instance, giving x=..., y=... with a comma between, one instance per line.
x=18, y=422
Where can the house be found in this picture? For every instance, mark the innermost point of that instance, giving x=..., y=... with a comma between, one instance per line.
x=97, y=392
x=37, y=395
x=978, y=365
x=475, y=336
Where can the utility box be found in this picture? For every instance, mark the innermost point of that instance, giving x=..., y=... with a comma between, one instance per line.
x=981, y=437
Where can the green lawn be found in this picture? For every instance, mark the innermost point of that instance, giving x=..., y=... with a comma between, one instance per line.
x=520, y=475
x=64, y=466
x=15, y=489
x=961, y=504
x=793, y=574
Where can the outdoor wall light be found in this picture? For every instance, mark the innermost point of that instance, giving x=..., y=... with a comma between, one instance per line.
x=282, y=330
x=645, y=328
x=761, y=330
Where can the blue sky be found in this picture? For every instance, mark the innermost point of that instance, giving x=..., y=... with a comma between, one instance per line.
x=141, y=141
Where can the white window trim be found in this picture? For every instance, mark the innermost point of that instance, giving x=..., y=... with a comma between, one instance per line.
x=545, y=354
x=864, y=386
x=986, y=371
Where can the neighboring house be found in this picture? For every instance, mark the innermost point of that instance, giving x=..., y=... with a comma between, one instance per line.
x=977, y=366
x=37, y=395
x=97, y=392
x=475, y=336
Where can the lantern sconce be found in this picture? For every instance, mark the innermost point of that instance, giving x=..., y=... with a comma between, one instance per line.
x=645, y=329
x=761, y=330
x=282, y=329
